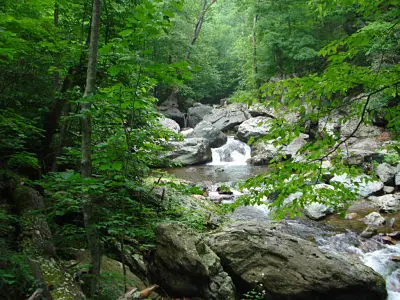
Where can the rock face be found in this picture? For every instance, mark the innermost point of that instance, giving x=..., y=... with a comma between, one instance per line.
x=365, y=188
x=191, y=151
x=197, y=113
x=254, y=127
x=186, y=267
x=280, y=266
x=206, y=130
x=364, y=131
x=228, y=117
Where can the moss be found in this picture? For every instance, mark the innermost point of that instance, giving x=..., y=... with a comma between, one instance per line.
x=62, y=284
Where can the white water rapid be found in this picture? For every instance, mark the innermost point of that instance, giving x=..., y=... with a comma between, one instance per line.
x=233, y=153
x=382, y=261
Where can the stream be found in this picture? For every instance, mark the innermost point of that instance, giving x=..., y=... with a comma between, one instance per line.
x=229, y=166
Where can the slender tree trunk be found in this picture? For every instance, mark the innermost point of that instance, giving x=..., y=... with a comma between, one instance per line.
x=86, y=160
x=255, y=67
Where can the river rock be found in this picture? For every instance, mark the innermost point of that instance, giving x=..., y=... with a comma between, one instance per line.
x=329, y=125
x=206, y=130
x=197, y=113
x=317, y=211
x=254, y=127
x=374, y=219
x=170, y=124
x=191, y=151
x=364, y=188
x=262, y=153
x=261, y=256
x=186, y=267
x=227, y=117
x=397, y=176
x=386, y=173
x=387, y=203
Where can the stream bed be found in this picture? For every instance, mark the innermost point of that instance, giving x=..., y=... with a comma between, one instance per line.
x=334, y=234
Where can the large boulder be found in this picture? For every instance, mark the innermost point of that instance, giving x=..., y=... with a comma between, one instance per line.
x=170, y=124
x=186, y=267
x=386, y=173
x=191, y=151
x=261, y=256
x=263, y=152
x=197, y=113
x=227, y=117
x=363, y=184
x=253, y=127
x=206, y=130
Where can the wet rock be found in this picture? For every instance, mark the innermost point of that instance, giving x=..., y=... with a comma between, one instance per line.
x=232, y=149
x=387, y=203
x=317, y=211
x=197, y=113
x=228, y=117
x=206, y=130
x=261, y=256
x=186, y=267
x=369, y=232
x=191, y=151
x=363, y=184
x=374, y=219
x=254, y=127
x=386, y=173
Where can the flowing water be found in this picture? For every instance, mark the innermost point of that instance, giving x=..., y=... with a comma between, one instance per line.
x=229, y=166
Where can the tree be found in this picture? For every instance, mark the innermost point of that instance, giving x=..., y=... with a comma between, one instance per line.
x=86, y=162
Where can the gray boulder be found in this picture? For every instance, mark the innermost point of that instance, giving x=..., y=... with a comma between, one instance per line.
x=191, y=151
x=261, y=256
x=254, y=127
x=317, y=211
x=260, y=110
x=364, y=131
x=170, y=124
x=387, y=203
x=206, y=130
x=186, y=267
x=374, y=219
x=227, y=117
x=386, y=173
x=197, y=113
x=363, y=184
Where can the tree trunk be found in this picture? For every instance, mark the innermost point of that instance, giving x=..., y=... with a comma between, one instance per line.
x=86, y=160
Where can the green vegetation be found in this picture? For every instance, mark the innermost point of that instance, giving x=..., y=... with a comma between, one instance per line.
x=308, y=57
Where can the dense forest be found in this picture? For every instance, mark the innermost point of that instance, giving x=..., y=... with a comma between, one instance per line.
x=84, y=85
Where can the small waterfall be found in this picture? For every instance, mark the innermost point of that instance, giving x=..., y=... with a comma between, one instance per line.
x=234, y=152
x=382, y=261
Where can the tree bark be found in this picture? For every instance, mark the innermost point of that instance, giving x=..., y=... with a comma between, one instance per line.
x=86, y=159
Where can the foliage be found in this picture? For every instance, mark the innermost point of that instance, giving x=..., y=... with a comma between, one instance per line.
x=15, y=275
